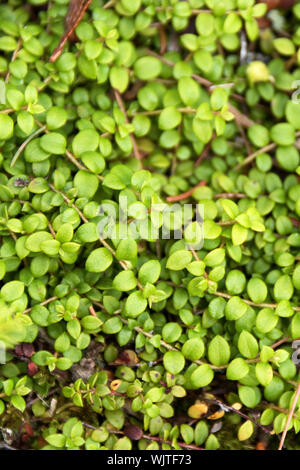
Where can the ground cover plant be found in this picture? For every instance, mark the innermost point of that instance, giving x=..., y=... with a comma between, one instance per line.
x=152, y=330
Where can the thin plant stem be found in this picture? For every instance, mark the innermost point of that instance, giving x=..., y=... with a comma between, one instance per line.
x=122, y=108
x=287, y=424
x=265, y=149
x=22, y=147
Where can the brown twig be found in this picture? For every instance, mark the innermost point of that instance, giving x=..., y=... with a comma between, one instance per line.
x=226, y=222
x=51, y=229
x=243, y=415
x=239, y=116
x=163, y=441
x=295, y=222
x=14, y=56
x=45, y=302
x=230, y=196
x=204, y=153
x=92, y=311
x=276, y=407
x=77, y=9
x=122, y=108
x=163, y=39
x=265, y=149
x=185, y=195
x=11, y=110
x=34, y=400
x=69, y=154
x=286, y=339
x=287, y=424
x=148, y=437
x=244, y=137
x=130, y=94
x=249, y=302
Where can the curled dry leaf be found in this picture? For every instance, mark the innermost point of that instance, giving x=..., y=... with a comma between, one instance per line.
x=133, y=432
x=115, y=384
x=197, y=410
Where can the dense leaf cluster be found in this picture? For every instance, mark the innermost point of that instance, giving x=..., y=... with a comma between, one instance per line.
x=147, y=341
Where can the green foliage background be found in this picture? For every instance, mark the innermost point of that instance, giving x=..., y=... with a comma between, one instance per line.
x=149, y=343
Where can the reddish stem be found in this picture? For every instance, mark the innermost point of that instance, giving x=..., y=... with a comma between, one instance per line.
x=92, y=311
x=122, y=108
x=76, y=11
x=295, y=222
x=185, y=195
x=204, y=154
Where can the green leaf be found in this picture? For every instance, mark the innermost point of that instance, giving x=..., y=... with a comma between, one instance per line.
x=283, y=134
x=174, y=362
x=235, y=282
x=264, y=373
x=125, y=281
x=193, y=349
x=245, y=431
x=232, y=23
x=203, y=130
x=169, y=118
x=211, y=230
x=124, y=443
x=239, y=234
x=112, y=326
x=147, y=68
x=257, y=290
x=119, y=78
x=237, y=369
x=56, y=440
x=18, y=402
x=179, y=260
x=295, y=326
x=235, y=308
x=62, y=343
x=205, y=24
x=201, y=432
x=86, y=140
x=91, y=323
x=201, y=376
x=6, y=126
x=247, y=345
x=171, y=332
x=189, y=91
x=41, y=358
x=99, y=260
x=249, y=396
x=12, y=290
x=218, y=351
x=212, y=443
x=63, y=363
x=218, y=98
x=266, y=320
x=284, y=46
x=150, y=272
x=283, y=288
x=86, y=183
x=135, y=304
x=53, y=143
